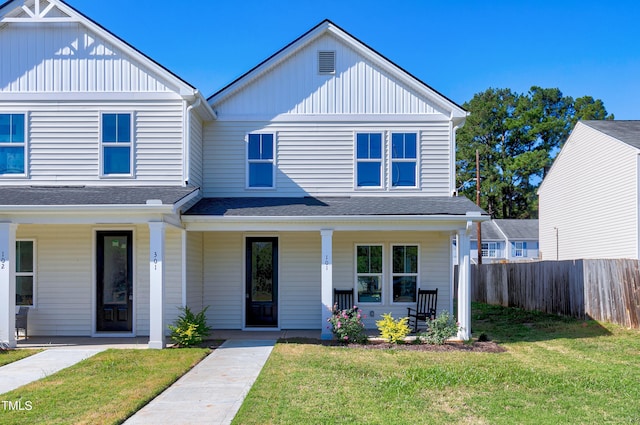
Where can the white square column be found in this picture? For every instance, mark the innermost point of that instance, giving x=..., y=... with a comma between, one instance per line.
x=326, y=295
x=7, y=284
x=464, y=285
x=156, y=285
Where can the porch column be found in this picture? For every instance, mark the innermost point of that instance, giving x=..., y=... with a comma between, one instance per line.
x=7, y=283
x=326, y=295
x=464, y=285
x=156, y=285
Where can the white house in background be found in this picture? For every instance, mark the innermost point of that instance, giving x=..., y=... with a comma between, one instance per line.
x=124, y=194
x=506, y=240
x=589, y=200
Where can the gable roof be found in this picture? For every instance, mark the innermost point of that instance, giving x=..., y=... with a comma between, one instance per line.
x=513, y=229
x=11, y=11
x=625, y=131
x=324, y=27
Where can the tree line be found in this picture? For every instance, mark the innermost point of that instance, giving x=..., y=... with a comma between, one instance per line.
x=517, y=137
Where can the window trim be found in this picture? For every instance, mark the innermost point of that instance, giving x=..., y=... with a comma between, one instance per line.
x=522, y=249
x=393, y=274
x=381, y=274
x=489, y=249
x=271, y=161
x=24, y=144
x=415, y=160
x=130, y=144
x=382, y=160
x=33, y=274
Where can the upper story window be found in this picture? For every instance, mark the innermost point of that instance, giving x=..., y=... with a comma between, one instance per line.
x=489, y=249
x=403, y=159
x=12, y=144
x=116, y=144
x=369, y=160
x=260, y=161
x=25, y=272
x=519, y=249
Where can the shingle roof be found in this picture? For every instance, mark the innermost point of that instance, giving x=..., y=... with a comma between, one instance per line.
x=625, y=131
x=518, y=229
x=90, y=195
x=333, y=206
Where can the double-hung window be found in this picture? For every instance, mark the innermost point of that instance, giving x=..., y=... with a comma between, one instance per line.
x=403, y=159
x=489, y=249
x=260, y=159
x=519, y=249
x=369, y=273
x=12, y=144
x=369, y=159
x=25, y=272
x=116, y=144
x=404, y=272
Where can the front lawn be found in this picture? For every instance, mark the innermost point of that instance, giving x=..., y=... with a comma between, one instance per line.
x=103, y=389
x=555, y=371
x=9, y=356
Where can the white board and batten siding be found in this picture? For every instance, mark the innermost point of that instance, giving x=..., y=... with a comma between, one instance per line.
x=295, y=87
x=596, y=175
x=318, y=158
x=299, y=274
x=65, y=278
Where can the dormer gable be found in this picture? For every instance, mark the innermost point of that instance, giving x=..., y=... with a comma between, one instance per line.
x=327, y=71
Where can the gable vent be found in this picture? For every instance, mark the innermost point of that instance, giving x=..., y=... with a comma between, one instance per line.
x=326, y=62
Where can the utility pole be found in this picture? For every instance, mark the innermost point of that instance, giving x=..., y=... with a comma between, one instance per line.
x=478, y=225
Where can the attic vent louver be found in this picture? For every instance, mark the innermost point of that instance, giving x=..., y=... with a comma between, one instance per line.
x=326, y=62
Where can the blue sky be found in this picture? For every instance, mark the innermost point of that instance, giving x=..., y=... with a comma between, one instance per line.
x=459, y=48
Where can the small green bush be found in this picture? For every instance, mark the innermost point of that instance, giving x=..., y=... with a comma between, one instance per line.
x=440, y=329
x=189, y=329
x=347, y=325
x=394, y=331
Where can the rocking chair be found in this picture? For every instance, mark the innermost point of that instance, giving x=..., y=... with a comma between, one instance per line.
x=425, y=308
x=343, y=298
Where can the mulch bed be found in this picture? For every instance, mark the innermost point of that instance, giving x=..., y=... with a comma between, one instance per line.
x=475, y=347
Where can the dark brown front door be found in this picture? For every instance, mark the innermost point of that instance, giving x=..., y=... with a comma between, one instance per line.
x=114, y=300
x=262, y=282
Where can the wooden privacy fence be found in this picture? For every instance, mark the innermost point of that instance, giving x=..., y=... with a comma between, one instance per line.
x=606, y=290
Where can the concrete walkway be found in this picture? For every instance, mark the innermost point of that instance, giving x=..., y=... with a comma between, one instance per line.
x=212, y=392
x=42, y=364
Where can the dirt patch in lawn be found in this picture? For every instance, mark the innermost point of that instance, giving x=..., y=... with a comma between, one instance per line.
x=476, y=346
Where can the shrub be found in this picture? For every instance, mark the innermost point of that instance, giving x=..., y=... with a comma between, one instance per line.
x=440, y=329
x=347, y=325
x=392, y=330
x=189, y=329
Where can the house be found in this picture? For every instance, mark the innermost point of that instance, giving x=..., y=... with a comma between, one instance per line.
x=589, y=200
x=125, y=194
x=506, y=240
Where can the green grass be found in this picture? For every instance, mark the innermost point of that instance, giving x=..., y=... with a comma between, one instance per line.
x=103, y=389
x=10, y=356
x=555, y=371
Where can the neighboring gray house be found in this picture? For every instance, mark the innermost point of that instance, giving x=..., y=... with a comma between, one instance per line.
x=589, y=200
x=125, y=194
x=506, y=240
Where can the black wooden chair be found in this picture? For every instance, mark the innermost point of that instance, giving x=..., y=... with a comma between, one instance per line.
x=343, y=298
x=425, y=308
x=21, y=320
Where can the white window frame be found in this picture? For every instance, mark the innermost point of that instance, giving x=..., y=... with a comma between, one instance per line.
x=271, y=161
x=400, y=160
x=492, y=248
x=24, y=144
x=382, y=160
x=130, y=144
x=33, y=274
x=381, y=275
x=393, y=274
x=520, y=249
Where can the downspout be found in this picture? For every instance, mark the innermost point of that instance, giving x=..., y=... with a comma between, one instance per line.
x=187, y=139
x=452, y=155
